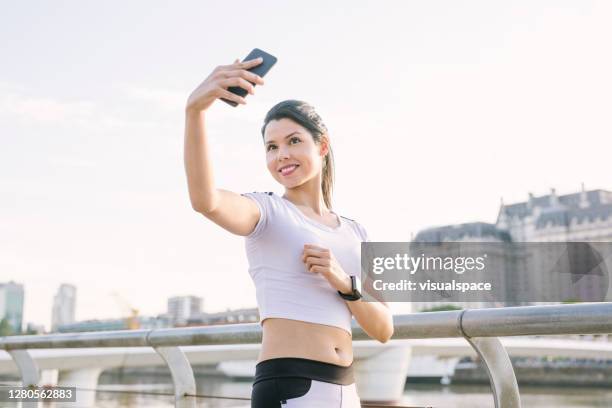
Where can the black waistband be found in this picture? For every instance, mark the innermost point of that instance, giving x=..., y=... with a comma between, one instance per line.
x=302, y=367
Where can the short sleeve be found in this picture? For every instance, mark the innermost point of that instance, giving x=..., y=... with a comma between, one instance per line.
x=263, y=202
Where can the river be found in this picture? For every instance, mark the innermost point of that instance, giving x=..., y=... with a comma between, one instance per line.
x=123, y=394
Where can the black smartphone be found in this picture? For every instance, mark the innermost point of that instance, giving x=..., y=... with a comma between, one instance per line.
x=261, y=70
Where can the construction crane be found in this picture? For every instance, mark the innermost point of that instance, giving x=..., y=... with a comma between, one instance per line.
x=131, y=321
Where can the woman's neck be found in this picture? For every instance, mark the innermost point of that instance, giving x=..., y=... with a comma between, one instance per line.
x=309, y=195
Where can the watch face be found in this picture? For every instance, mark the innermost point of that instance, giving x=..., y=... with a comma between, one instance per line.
x=357, y=284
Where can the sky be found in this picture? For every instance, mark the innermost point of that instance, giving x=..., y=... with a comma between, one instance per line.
x=437, y=110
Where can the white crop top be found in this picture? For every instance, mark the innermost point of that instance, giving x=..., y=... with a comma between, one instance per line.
x=284, y=287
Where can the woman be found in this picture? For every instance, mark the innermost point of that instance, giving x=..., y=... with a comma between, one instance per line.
x=302, y=255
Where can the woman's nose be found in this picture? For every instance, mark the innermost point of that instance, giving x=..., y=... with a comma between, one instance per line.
x=283, y=153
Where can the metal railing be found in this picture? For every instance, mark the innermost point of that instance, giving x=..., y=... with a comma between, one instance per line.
x=480, y=327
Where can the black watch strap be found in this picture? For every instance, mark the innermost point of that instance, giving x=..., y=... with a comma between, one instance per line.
x=355, y=294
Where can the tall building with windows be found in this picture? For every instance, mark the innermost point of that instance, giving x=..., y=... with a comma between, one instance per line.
x=11, y=305
x=64, y=304
x=183, y=308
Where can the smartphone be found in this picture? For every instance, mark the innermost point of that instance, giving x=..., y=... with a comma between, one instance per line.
x=261, y=70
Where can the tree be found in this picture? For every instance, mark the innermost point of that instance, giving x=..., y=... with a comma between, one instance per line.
x=441, y=308
x=5, y=327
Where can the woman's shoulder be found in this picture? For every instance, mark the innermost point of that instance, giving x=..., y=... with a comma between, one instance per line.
x=269, y=207
x=268, y=201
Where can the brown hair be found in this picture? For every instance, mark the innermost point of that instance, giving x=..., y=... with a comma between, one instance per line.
x=304, y=114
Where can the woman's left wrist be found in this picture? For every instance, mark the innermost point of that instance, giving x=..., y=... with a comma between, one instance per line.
x=345, y=285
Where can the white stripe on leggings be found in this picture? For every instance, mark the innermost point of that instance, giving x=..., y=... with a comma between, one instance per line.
x=326, y=395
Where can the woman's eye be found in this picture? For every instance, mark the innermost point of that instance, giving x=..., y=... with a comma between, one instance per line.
x=293, y=139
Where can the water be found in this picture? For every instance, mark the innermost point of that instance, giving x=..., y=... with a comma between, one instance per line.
x=454, y=396
x=122, y=392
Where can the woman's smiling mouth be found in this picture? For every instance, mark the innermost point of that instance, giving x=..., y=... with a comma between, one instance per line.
x=289, y=169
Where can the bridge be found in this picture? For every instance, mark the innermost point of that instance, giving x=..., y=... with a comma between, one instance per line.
x=380, y=369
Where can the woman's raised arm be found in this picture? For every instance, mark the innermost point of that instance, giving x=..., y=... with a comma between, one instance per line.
x=229, y=210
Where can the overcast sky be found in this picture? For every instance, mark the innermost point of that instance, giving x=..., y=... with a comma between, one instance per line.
x=436, y=110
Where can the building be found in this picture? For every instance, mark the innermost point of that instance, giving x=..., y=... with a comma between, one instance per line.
x=248, y=315
x=585, y=216
x=11, y=305
x=467, y=232
x=64, y=303
x=145, y=322
x=35, y=328
x=183, y=308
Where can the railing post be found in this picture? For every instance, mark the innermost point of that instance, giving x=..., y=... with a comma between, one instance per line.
x=182, y=375
x=499, y=368
x=85, y=380
x=382, y=377
x=30, y=374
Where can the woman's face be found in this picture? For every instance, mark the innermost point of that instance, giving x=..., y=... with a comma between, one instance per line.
x=290, y=147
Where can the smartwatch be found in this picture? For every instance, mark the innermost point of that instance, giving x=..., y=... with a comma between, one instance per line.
x=355, y=289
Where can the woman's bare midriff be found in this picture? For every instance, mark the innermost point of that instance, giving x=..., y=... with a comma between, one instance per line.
x=294, y=338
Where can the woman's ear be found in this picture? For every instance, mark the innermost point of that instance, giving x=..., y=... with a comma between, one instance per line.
x=324, y=145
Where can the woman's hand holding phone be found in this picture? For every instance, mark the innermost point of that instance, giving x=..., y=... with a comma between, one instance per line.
x=225, y=76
